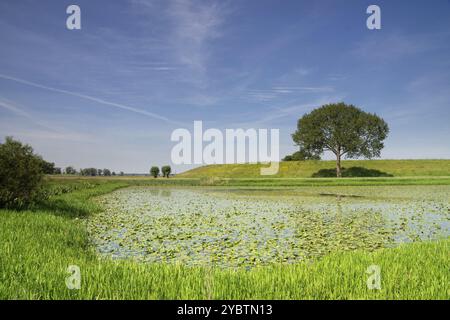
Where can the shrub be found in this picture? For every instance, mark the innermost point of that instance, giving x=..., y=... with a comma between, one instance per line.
x=351, y=172
x=21, y=174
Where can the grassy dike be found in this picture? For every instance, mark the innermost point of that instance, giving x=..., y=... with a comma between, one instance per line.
x=305, y=169
x=37, y=246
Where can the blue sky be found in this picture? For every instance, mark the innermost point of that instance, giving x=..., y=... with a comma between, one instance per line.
x=109, y=95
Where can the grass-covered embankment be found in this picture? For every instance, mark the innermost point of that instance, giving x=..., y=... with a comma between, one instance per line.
x=37, y=246
x=305, y=169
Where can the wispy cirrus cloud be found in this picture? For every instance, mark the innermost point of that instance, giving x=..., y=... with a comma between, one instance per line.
x=91, y=98
x=278, y=91
x=40, y=129
x=8, y=105
x=194, y=25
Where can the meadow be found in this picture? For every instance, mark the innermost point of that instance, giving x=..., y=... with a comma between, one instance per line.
x=403, y=229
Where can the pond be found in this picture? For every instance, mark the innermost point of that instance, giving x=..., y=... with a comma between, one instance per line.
x=246, y=227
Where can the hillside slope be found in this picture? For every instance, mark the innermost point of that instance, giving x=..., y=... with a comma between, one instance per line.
x=305, y=169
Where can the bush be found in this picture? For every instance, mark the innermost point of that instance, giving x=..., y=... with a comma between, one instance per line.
x=351, y=172
x=21, y=174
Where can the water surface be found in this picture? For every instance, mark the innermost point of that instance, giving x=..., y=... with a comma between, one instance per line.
x=246, y=227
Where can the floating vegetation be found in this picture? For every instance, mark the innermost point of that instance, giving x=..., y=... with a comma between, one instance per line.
x=230, y=228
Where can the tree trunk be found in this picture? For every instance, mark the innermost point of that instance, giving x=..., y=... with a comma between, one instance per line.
x=338, y=166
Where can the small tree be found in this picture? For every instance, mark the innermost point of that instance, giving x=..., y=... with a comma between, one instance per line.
x=166, y=171
x=121, y=173
x=89, y=172
x=342, y=129
x=99, y=172
x=57, y=171
x=70, y=170
x=21, y=174
x=154, y=171
x=106, y=172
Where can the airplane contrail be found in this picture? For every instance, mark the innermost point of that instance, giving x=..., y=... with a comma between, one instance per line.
x=94, y=99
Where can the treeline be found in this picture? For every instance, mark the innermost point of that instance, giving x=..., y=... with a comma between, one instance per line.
x=96, y=172
x=49, y=168
x=22, y=174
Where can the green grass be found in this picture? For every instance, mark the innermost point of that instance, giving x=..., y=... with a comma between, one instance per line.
x=37, y=246
x=305, y=169
x=257, y=182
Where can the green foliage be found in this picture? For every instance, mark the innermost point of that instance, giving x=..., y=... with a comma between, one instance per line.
x=342, y=129
x=20, y=174
x=92, y=172
x=301, y=155
x=351, y=172
x=106, y=172
x=166, y=170
x=70, y=170
x=36, y=249
x=47, y=167
x=154, y=171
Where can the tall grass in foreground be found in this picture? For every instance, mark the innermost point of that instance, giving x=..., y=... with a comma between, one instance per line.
x=36, y=247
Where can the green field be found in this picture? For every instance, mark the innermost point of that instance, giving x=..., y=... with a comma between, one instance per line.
x=305, y=169
x=37, y=246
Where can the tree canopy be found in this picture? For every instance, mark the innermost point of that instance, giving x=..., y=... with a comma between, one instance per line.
x=343, y=129
x=166, y=170
x=21, y=174
x=154, y=171
x=301, y=155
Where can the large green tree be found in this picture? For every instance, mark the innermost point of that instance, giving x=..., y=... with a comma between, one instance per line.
x=21, y=174
x=343, y=129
